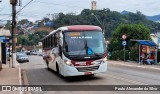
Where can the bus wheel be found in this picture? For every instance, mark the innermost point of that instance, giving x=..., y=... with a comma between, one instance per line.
x=57, y=69
x=58, y=73
x=92, y=75
x=47, y=65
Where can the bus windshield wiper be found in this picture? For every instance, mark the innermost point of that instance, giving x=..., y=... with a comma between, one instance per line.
x=92, y=52
x=89, y=49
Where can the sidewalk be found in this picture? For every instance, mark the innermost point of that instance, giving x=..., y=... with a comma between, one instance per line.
x=10, y=76
x=134, y=64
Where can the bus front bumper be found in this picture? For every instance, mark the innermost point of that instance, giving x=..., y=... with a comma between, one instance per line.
x=73, y=71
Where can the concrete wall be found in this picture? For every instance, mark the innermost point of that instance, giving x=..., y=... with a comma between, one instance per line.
x=155, y=39
x=0, y=58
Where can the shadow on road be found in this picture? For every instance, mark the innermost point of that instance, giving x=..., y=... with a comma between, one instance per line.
x=41, y=76
x=77, y=78
x=82, y=78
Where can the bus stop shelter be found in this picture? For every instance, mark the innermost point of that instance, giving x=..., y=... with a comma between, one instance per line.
x=147, y=46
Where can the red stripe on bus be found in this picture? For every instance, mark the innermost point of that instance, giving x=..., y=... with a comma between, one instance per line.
x=84, y=27
x=82, y=63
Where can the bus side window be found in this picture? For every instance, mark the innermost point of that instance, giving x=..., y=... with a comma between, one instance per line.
x=56, y=39
x=53, y=42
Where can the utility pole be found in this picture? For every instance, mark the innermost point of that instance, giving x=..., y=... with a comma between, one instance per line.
x=0, y=61
x=13, y=3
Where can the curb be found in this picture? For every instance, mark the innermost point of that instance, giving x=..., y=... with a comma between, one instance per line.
x=20, y=75
x=20, y=79
x=24, y=78
x=25, y=81
x=139, y=66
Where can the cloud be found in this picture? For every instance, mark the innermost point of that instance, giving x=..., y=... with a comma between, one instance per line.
x=40, y=8
x=147, y=7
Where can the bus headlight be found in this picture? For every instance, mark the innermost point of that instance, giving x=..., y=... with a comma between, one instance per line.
x=68, y=62
x=104, y=59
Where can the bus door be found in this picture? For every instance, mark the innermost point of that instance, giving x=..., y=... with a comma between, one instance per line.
x=53, y=55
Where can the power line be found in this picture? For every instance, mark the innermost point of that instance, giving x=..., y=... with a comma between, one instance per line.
x=59, y=4
x=24, y=7
x=6, y=17
x=17, y=11
x=5, y=14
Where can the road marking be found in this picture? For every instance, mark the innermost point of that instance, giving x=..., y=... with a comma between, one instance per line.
x=145, y=67
x=127, y=80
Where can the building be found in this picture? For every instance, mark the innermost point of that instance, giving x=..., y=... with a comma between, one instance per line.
x=4, y=38
x=93, y=5
x=156, y=38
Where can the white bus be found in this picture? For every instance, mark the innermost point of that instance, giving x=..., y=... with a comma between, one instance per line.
x=75, y=50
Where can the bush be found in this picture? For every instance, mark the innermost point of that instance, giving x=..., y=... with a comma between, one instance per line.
x=119, y=55
x=134, y=55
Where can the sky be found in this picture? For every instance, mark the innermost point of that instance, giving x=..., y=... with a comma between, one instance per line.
x=39, y=9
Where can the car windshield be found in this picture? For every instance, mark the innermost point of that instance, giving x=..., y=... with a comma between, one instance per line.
x=22, y=55
x=84, y=43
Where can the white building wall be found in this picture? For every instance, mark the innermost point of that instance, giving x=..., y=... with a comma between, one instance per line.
x=156, y=39
x=0, y=52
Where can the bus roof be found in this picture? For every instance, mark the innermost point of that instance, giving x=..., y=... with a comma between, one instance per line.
x=80, y=27
x=75, y=28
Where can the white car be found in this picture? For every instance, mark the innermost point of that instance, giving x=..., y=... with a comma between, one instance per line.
x=22, y=58
x=33, y=52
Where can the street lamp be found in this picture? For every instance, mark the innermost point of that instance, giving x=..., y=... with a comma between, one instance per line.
x=99, y=22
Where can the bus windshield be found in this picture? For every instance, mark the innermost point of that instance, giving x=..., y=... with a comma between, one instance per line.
x=84, y=43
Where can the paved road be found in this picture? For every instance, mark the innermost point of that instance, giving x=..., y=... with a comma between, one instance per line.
x=38, y=74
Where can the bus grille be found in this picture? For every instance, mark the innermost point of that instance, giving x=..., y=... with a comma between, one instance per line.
x=86, y=69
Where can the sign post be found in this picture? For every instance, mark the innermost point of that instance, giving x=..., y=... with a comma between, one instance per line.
x=124, y=44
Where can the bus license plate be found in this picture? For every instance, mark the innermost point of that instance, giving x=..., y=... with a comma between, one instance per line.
x=87, y=73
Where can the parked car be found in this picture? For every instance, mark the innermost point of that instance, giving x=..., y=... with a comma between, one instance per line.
x=18, y=53
x=22, y=58
x=40, y=54
x=27, y=52
x=33, y=52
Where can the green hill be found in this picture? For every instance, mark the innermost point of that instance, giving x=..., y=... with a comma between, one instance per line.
x=109, y=19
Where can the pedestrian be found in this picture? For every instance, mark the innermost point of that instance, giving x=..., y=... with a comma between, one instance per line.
x=150, y=59
x=143, y=58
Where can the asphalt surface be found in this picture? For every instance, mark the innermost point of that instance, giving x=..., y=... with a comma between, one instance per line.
x=38, y=74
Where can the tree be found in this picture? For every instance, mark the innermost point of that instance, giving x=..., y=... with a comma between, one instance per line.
x=132, y=31
x=23, y=21
x=110, y=21
x=8, y=25
x=31, y=39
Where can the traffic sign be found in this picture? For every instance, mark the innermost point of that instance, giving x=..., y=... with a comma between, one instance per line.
x=124, y=43
x=124, y=36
